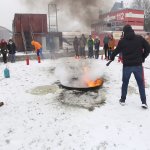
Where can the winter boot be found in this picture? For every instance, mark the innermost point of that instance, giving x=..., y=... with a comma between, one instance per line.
x=145, y=106
x=122, y=102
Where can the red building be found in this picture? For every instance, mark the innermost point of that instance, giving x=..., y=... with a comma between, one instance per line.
x=28, y=27
x=113, y=22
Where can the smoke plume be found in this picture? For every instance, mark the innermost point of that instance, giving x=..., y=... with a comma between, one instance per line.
x=76, y=73
x=72, y=14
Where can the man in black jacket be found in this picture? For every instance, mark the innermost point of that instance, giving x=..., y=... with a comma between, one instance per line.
x=134, y=49
x=12, y=50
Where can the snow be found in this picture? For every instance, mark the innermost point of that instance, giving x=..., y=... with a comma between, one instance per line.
x=32, y=117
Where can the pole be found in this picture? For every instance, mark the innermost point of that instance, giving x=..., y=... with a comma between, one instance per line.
x=49, y=15
x=56, y=19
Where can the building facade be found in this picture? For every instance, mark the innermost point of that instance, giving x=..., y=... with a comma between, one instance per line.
x=114, y=21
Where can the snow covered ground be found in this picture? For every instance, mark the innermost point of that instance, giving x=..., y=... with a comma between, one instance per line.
x=32, y=117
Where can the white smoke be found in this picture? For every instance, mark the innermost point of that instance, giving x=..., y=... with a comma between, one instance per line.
x=76, y=73
x=73, y=15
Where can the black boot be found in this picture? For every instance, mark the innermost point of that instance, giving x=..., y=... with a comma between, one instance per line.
x=1, y=104
x=122, y=102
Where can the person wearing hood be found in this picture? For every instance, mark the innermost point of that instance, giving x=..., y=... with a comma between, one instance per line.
x=134, y=49
x=38, y=47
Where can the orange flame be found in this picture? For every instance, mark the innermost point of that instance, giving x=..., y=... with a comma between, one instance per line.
x=97, y=82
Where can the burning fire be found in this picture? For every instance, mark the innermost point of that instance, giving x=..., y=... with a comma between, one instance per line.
x=97, y=82
x=91, y=83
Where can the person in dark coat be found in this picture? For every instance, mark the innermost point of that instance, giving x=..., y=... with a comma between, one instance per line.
x=12, y=50
x=3, y=47
x=134, y=49
x=105, y=42
x=96, y=44
x=90, y=47
x=76, y=46
x=82, y=44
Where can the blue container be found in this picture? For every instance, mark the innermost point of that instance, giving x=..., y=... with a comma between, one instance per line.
x=6, y=73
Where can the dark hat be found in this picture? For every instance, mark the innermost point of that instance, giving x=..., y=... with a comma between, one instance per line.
x=127, y=28
x=10, y=40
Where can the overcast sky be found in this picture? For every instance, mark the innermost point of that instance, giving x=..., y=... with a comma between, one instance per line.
x=9, y=7
x=7, y=10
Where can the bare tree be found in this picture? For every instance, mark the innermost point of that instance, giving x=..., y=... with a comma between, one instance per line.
x=144, y=5
x=137, y=4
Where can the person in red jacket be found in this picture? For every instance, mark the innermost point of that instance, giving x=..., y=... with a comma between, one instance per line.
x=3, y=47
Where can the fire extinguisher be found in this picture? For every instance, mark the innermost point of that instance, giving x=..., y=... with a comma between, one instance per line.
x=27, y=59
x=39, y=59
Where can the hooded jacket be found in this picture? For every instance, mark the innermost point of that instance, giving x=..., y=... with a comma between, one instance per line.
x=134, y=48
x=37, y=45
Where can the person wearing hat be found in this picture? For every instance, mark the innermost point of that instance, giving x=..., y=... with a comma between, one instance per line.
x=134, y=49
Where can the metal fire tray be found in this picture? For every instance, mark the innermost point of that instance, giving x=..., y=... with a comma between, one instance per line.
x=81, y=88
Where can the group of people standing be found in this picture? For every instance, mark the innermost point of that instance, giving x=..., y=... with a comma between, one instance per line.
x=80, y=44
x=7, y=50
x=93, y=46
